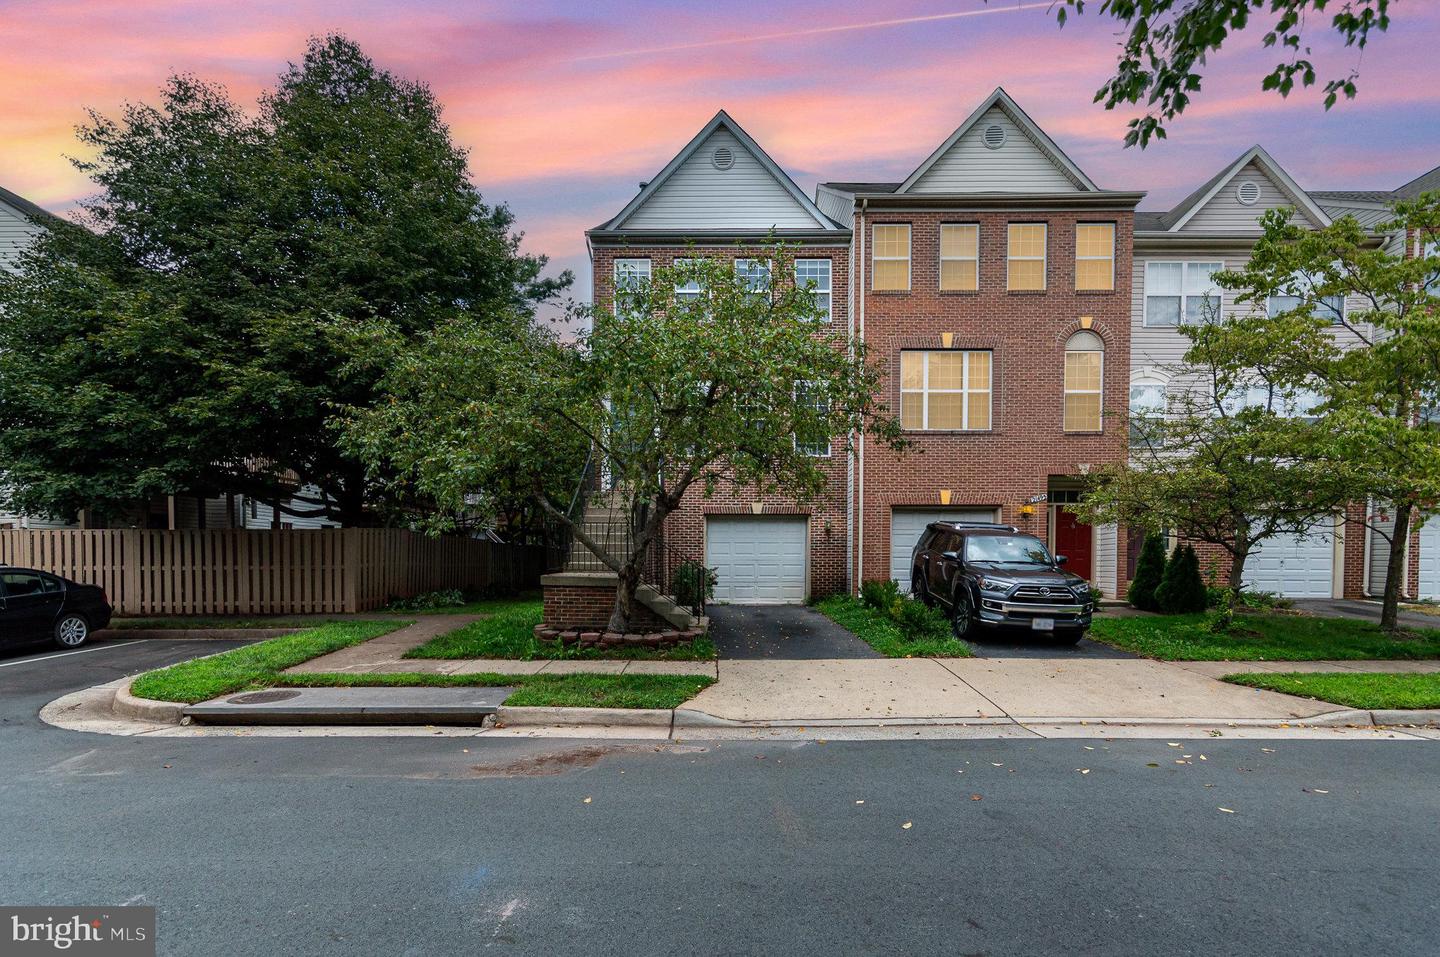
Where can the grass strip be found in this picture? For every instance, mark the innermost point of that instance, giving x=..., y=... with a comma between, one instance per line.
x=1262, y=637
x=1365, y=690
x=509, y=633
x=884, y=635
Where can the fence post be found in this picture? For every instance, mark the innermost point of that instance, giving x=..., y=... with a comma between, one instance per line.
x=350, y=569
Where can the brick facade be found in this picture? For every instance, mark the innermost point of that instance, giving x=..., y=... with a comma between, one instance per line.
x=589, y=606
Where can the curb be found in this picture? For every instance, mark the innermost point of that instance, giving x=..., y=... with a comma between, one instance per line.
x=143, y=709
x=191, y=634
x=587, y=717
x=1425, y=719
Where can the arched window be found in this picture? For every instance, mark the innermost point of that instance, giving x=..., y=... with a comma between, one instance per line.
x=1084, y=375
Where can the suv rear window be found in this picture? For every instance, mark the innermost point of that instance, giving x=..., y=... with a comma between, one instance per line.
x=1011, y=549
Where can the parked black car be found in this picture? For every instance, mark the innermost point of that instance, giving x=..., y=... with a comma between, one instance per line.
x=994, y=576
x=37, y=606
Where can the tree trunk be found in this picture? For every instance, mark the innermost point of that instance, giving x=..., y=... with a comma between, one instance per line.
x=625, y=585
x=1237, y=570
x=1395, y=570
x=628, y=579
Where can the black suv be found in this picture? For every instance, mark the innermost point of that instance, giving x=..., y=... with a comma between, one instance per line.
x=995, y=576
x=38, y=606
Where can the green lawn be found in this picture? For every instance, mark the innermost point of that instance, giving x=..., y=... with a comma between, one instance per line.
x=881, y=633
x=1261, y=637
x=509, y=633
x=1372, y=692
x=253, y=666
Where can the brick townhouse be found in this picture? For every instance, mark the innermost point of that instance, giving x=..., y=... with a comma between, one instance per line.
x=1018, y=309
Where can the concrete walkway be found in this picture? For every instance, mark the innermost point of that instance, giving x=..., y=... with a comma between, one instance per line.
x=389, y=648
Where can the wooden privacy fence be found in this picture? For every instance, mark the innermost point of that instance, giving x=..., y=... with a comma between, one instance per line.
x=257, y=572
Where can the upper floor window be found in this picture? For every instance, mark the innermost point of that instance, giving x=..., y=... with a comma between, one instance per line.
x=688, y=290
x=755, y=273
x=1095, y=256
x=959, y=257
x=630, y=275
x=1147, y=406
x=1027, y=256
x=1431, y=250
x=890, y=256
x=1299, y=292
x=814, y=442
x=1177, y=292
x=814, y=274
x=947, y=390
x=1084, y=378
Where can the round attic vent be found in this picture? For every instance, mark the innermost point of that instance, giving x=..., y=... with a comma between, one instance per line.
x=723, y=158
x=994, y=137
x=1247, y=193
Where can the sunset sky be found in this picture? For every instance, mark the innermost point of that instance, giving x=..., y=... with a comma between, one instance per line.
x=566, y=106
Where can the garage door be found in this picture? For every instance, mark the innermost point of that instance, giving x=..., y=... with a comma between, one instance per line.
x=1296, y=566
x=758, y=559
x=1430, y=559
x=906, y=524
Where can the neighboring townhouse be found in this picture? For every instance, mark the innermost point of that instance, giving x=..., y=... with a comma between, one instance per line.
x=993, y=284
x=1176, y=254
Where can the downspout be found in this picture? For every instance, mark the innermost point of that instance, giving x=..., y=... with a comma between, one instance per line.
x=860, y=508
x=850, y=459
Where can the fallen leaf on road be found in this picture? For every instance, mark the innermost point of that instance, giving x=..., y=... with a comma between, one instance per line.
x=998, y=764
x=1226, y=810
x=1152, y=764
x=1306, y=790
x=587, y=800
x=907, y=825
x=1173, y=744
x=1088, y=748
x=859, y=802
x=974, y=797
x=1083, y=770
x=1203, y=758
x=1268, y=750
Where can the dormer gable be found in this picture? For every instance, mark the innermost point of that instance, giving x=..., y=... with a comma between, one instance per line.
x=722, y=181
x=1236, y=197
x=998, y=149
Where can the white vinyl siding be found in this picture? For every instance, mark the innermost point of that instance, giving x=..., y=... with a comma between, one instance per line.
x=699, y=196
x=1225, y=213
x=1019, y=166
x=907, y=524
x=838, y=206
x=16, y=233
x=758, y=559
x=1105, y=570
x=1179, y=292
x=814, y=274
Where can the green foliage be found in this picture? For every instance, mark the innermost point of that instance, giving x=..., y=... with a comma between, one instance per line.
x=607, y=691
x=916, y=622
x=1168, y=41
x=880, y=594
x=245, y=273
x=428, y=601
x=1371, y=692
x=1149, y=569
x=1222, y=619
x=1181, y=590
x=694, y=583
x=1262, y=637
x=880, y=631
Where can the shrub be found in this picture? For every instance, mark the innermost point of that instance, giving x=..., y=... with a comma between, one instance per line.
x=1224, y=616
x=879, y=595
x=694, y=583
x=1149, y=569
x=915, y=621
x=1181, y=590
x=425, y=601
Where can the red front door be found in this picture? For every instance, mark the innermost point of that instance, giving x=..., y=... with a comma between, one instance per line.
x=1073, y=539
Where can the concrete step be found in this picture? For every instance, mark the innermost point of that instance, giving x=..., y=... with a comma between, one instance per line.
x=353, y=706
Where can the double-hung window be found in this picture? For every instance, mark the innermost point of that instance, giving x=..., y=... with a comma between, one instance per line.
x=1181, y=292
x=689, y=290
x=1147, y=407
x=1095, y=256
x=630, y=275
x=756, y=275
x=812, y=441
x=1026, y=257
x=945, y=390
x=814, y=275
x=959, y=257
x=1301, y=291
x=890, y=257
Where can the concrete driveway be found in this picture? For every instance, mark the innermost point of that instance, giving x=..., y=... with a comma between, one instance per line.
x=781, y=632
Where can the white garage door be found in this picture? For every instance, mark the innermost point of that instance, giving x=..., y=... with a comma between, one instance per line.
x=1296, y=566
x=1430, y=558
x=906, y=524
x=758, y=559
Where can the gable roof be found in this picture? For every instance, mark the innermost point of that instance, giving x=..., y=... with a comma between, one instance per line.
x=36, y=214
x=1192, y=204
x=1001, y=100
x=721, y=121
x=1423, y=183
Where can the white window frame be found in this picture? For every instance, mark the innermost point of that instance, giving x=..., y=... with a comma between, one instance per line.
x=618, y=270
x=807, y=449
x=1044, y=257
x=742, y=269
x=1334, y=319
x=1066, y=391
x=828, y=289
x=686, y=293
x=1079, y=258
x=940, y=279
x=924, y=392
x=1185, y=266
x=1145, y=383
x=909, y=257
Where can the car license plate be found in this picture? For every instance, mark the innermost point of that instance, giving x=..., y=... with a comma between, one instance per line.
x=1042, y=624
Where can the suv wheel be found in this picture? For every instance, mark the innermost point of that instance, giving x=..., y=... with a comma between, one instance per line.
x=919, y=591
x=961, y=616
x=72, y=631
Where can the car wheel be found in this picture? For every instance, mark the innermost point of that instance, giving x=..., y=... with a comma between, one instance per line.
x=962, y=619
x=918, y=589
x=72, y=631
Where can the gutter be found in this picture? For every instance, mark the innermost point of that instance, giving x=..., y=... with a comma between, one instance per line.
x=640, y=237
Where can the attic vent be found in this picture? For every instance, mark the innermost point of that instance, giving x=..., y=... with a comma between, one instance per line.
x=994, y=137
x=1247, y=193
x=722, y=158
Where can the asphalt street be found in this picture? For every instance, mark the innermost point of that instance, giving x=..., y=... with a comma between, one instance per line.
x=450, y=845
